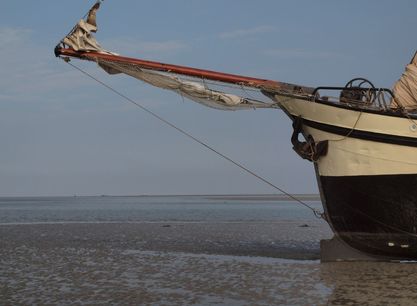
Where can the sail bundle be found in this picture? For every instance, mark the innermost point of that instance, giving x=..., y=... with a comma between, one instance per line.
x=81, y=37
x=405, y=90
x=193, y=90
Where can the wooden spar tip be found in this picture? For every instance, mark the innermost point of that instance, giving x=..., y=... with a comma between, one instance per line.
x=264, y=84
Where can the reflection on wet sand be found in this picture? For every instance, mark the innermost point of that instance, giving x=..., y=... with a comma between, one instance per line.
x=370, y=283
x=194, y=263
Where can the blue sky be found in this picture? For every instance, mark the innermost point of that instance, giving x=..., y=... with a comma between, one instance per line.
x=63, y=134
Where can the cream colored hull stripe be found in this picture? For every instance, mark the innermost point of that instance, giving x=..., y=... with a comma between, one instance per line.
x=353, y=157
x=345, y=118
x=348, y=156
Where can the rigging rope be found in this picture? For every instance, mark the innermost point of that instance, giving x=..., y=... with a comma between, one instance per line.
x=317, y=213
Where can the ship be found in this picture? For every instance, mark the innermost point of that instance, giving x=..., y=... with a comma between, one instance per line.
x=360, y=139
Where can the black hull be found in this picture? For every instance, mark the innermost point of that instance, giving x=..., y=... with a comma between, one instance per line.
x=374, y=214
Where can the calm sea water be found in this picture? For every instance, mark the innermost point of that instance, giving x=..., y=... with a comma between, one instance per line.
x=154, y=208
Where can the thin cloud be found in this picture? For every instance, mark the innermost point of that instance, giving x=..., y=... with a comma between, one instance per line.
x=24, y=79
x=153, y=47
x=247, y=32
x=301, y=54
x=9, y=36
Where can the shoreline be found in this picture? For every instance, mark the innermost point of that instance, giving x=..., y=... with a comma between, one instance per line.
x=231, y=197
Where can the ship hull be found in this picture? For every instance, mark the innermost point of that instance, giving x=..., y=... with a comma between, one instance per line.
x=368, y=178
x=374, y=214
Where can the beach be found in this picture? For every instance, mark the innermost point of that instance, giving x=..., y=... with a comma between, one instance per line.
x=152, y=263
x=158, y=261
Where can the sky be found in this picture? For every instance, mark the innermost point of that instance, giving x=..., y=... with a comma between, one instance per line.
x=63, y=134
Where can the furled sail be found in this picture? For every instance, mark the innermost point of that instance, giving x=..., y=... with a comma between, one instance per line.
x=193, y=90
x=195, y=84
x=405, y=90
x=80, y=38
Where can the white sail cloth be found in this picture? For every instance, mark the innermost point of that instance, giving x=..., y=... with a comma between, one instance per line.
x=405, y=90
x=81, y=39
x=192, y=90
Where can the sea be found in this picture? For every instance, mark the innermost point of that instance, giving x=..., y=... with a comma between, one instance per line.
x=182, y=250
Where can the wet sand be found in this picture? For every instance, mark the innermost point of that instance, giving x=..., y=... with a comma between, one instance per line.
x=186, y=263
x=283, y=239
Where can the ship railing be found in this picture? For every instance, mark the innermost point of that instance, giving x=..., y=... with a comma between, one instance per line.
x=356, y=97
